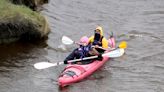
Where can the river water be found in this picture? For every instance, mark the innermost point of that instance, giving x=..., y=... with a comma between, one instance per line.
x=141, y=69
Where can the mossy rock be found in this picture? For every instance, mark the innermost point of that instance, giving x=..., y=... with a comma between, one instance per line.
x=33, y=4
x=20, y=23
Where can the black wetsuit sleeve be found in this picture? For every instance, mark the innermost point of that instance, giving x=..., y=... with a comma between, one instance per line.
x=71, y=56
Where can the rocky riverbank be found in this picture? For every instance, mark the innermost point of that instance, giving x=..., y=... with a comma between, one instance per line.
x=18, y=22
x=33, y=4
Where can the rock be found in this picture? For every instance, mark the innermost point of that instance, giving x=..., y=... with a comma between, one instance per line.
x=33, y=4
x=21, y=23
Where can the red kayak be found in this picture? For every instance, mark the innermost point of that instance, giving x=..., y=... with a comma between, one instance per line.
x=74, y=72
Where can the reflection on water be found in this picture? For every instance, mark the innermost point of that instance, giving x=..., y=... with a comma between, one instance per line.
x=16, y=55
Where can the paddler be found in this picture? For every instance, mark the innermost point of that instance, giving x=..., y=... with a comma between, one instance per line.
x=84, y=50
x=98, y=40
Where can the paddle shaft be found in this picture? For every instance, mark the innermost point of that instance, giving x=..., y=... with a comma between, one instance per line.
x=75, y=60
x=91, y=57
x=86, y=58
x=110, y=54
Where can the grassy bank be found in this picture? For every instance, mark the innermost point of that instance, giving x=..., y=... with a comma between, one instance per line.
x=18, y=22
x=9, y=10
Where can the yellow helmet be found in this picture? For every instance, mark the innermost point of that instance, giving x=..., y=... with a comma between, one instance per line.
x=101, y=30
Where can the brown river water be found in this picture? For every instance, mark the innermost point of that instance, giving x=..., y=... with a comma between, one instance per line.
x=141, y=69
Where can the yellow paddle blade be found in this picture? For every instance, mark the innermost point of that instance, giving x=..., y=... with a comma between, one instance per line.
x=123, y=45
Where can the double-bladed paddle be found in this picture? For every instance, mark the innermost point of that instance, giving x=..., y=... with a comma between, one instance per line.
x=119, y=51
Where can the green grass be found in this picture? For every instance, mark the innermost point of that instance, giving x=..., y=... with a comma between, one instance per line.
x=9, y=11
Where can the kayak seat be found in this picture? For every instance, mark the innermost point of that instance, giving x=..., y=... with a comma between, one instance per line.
x=70, y=73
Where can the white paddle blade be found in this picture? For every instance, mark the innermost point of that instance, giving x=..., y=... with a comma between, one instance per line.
x=115, y=53
x=66, y=40
x=43, y=65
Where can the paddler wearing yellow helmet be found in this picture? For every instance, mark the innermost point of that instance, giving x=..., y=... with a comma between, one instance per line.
x=98, y=39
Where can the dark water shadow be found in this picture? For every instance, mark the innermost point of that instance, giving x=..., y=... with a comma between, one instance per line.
x=16, y=55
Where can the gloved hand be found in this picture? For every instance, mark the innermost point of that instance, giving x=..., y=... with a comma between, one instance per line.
x=65, y=62
x=100, y=57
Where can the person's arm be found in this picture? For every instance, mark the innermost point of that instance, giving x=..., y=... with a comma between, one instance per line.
x=70, y=57
x=104, y=43
x=93, y=51
x=91, y=39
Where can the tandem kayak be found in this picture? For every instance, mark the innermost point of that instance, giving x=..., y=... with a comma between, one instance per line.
x=75, y=72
